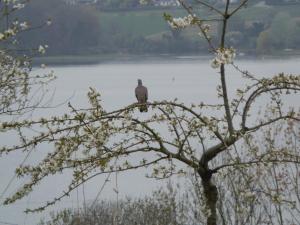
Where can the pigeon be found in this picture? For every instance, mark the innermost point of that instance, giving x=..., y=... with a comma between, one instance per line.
x=141, y=94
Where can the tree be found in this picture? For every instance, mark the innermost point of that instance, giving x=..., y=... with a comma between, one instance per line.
x=263, y=44
x=196, y=136
x=16, y=80
x=264, y=194
x=21, y=91
x=278, y=29
x=70, y=32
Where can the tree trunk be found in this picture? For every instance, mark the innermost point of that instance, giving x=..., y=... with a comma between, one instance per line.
x=211, y=196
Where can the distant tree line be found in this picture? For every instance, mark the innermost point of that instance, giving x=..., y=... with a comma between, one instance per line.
x=117, y=4
x=80, y=30
x=75, y=29
x=281, y=32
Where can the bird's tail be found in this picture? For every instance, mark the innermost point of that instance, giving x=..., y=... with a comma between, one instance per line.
x=143, y=108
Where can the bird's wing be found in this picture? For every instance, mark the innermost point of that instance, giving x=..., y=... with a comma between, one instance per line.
x=136, y=93
x=146, y=93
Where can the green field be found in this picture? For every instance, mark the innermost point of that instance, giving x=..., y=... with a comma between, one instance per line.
x=141, y=22
x=136, y=22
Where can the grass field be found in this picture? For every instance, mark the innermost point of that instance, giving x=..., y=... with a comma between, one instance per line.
x=141, y=22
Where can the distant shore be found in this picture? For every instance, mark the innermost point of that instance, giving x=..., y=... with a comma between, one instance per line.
x=158, y=58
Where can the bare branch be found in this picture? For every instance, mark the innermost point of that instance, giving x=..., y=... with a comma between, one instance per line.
x=243, y=3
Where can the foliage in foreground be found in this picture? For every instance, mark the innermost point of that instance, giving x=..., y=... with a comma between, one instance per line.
x=162, y=207
x=264, y=194
x=21, y=91
x=173, y=138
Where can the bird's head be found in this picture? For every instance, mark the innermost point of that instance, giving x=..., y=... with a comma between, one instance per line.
x=140, y=82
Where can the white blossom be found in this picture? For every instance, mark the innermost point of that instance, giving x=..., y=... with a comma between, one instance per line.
x=26, y=63
x=2, y=36
x=181, y=22
x=19, y=6
x=223, y=56
x=24, y=25
x=42, y=49
x=49, y=22
x=10, y=32
x=143, y=2
x=206, y=28
x=16, y=22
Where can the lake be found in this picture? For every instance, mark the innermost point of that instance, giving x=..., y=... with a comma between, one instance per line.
x=189, y=80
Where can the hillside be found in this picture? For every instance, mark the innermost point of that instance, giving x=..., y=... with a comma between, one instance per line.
x=87, y=30
x=149, y=25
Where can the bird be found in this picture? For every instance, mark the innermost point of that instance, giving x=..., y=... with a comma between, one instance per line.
x=141, y=94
